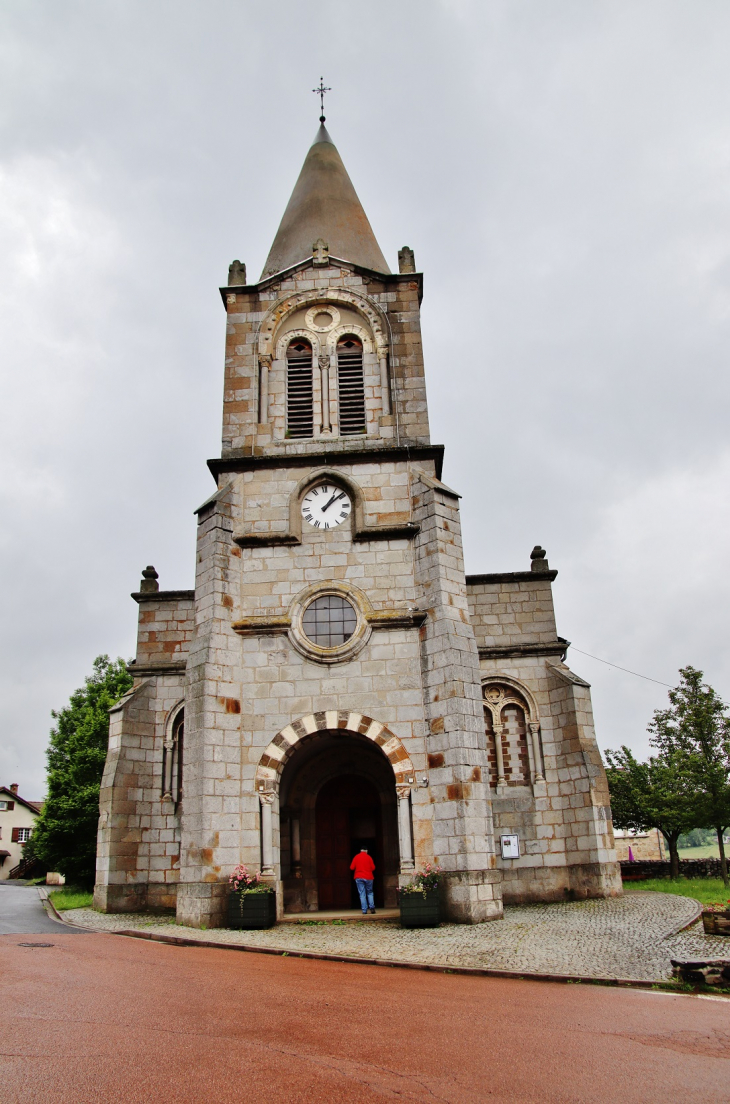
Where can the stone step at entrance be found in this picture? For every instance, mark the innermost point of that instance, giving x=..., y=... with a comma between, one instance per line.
x=339, y=914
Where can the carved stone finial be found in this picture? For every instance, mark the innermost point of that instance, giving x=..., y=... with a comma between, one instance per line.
x=539, y=559
x=149, y=584
x=236, y=274
x=321, y=252
x=406, y=260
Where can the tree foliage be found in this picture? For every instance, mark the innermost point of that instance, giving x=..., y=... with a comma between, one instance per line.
x=687, y=783
x=696, y=730
x=656, y=794
x=64, y=837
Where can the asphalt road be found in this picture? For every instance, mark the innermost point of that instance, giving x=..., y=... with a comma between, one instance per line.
x=120, y=1020
x=21, y=912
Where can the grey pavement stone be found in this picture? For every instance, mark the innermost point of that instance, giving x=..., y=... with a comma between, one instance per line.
x=626, y=937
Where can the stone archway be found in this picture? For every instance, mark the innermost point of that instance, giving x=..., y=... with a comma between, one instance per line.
x=333, y=781
x=271, y=763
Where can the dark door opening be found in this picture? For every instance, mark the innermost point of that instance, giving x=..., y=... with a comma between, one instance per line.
x=348, y=817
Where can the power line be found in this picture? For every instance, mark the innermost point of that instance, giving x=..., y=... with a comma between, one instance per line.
x=625, y=669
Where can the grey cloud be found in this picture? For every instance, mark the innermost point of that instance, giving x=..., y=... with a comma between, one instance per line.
x=561, y=171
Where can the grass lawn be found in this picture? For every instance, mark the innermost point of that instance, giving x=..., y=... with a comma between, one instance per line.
x=706, y=890
x=709, y=851
x=70, y=897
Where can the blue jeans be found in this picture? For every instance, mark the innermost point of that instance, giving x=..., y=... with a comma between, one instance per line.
x=365, y=889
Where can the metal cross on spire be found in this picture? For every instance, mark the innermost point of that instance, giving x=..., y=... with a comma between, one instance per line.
x=321, y=93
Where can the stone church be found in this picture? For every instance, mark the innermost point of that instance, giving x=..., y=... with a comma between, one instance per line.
x=334, y=680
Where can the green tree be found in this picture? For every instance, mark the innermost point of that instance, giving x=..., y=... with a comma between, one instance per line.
x=696, y=730
x=64, y=837
x=657, y=794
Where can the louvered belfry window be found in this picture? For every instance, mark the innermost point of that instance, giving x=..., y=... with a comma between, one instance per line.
x=299, y=394
x=351, y=386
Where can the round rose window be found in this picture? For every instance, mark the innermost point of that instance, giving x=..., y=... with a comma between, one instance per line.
x=329, y=621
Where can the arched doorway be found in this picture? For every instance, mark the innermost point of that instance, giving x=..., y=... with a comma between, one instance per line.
x=337, y=794
x=348, y=816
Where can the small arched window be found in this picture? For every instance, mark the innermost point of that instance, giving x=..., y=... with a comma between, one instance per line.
x=351, y=385
x=299, y=391
x=172, y=761
x=506, y=714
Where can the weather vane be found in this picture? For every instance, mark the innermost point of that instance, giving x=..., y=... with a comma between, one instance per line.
x=320, y=92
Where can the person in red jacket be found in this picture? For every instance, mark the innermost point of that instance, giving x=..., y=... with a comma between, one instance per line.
x=363, y=867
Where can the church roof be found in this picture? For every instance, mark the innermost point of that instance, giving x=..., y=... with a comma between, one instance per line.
x=324, y=205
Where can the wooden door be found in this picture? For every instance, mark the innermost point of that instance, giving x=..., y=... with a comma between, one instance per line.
x=344, y=806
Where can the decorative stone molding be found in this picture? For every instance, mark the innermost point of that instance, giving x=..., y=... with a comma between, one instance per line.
x=147, y=670
x=285, y=339
x=285, y=306
x=496, y=704
x=236, y=274
x=284, y=744
x=514, y=651
x=341, y=652
x=406, y=260
x=163, y=596
x=496, y=695
x=267, y=625
x=334, y=336
x=276, y=624
x=312, y=313
x=320, y=253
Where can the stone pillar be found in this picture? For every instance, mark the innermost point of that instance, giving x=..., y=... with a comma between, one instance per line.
x=324, y=367
x=267, y=835
x=384, y=383
x=264, y=367
x=168, y=760
x=501, y=780
x=539, y=775
x=463, y=830
x=296, y=847
x=404, y=829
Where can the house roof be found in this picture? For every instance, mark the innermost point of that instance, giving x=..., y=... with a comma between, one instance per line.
x=324, y=204
x=34, y=806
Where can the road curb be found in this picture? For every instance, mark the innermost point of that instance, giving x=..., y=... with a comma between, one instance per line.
x=45, y=897
x=690, y=923
x=469, y=971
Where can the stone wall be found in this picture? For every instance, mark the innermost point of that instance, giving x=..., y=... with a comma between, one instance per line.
x=644, y=845
x=562, y=813
x=139, y=830
x=688, y=868
x=390, y=309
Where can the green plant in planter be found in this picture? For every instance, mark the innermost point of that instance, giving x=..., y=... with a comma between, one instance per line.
x=717, y=906
x=420, y=905
x=251, y=902
x=425, y=881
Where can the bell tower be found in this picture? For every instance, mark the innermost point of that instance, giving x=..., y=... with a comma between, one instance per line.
x=349, y=619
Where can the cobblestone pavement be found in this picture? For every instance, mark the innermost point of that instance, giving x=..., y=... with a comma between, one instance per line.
x=623, y=937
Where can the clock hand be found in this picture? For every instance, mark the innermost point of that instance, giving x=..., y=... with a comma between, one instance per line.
x=334, y=498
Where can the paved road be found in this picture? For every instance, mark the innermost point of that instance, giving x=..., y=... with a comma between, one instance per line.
x=126, y=1021
x=21, y=912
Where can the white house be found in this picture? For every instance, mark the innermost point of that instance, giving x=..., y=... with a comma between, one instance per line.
x=17, y=819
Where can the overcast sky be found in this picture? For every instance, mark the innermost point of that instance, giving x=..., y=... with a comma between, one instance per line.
x=561, y=170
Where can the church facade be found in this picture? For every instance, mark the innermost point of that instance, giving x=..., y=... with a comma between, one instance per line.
x=334, y=680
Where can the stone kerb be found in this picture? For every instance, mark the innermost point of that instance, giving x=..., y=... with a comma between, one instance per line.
x=272, y=762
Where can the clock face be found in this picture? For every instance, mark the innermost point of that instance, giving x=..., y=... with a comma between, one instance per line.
x=326, y=506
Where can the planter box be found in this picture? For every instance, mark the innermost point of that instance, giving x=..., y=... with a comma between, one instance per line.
x=716, y=923
x=251, y=911
x=417, y=911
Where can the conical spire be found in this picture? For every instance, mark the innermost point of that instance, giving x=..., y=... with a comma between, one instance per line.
x=324, y=205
